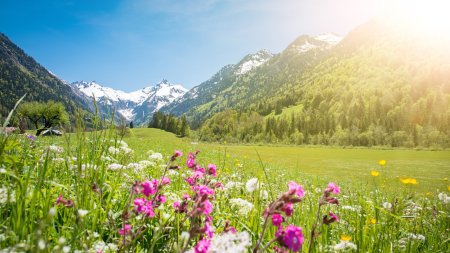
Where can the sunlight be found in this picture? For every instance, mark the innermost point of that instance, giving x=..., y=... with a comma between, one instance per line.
x=425, y=17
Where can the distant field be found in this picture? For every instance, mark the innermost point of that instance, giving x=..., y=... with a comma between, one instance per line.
x=430, y=168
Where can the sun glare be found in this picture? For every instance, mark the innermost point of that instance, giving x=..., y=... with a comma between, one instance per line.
x=428, y=17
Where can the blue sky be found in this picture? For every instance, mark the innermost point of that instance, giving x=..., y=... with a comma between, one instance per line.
x=135, y=43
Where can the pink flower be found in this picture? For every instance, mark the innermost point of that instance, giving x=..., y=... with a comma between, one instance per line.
x=297, y=189
x=212, y=169
x=144, y=206
x=334, y=188
x=208, y=229
x=178, y=153
x=333, y=218
x=191, y=180
x=176, y=204
x=202, y=246
x=161, y=199
x=190, y=162
x=204, y=190
x=165, y=181
x=186, y=196
x=293, y=238
x=126, y=230
x=149, y=187
x=206, y=207
x=198, y=173
x=288, y=208
x=59, y=200
x=277, y=219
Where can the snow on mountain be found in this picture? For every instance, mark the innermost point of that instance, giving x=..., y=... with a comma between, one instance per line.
x=126, y=103
x=322, y=41
x=253, y=60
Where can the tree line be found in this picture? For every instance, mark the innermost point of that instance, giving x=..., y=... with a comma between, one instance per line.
x=170, y=123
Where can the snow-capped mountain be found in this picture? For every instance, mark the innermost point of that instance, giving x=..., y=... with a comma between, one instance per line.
x=323, y=41
x=129, y=104
x=252, y=61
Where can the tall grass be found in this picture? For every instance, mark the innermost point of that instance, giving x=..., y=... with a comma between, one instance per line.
x=93, y=175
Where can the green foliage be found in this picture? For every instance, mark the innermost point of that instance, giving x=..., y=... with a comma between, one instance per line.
x=45, y=115
x=170, y=123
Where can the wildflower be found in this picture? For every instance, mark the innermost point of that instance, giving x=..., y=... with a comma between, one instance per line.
x=416, y=237
x=149, y=187
x=190, y=162
x=113, y=150
x=66, y=249
x=382, y=162
x=243, y=206
x=372, y=221
x=444, y=198
x=165, y=181
x=115, y=166
x=346, y=238
x=292, y=238
x=294, y=188
x=41, y=244
x=156, y=157
x=144, y=206
x=82, y=212
x=333, y=218
x=176, y=204
x=7, y=195
x=252, y=185
x=126, y=150
x=448, y=187
x=31, y=137
x=126, y=230
x=408, y=180
x=55, y=149
x=202, y=246
x=51, y=212
x=387, y=205
x=374, y=173
x=161, y=199
x=230, y=242
x=288, y=209
x=277, y=219
x=178, y=153
x=333, y=188
x=203, y=190
x=344, y=245
x=212, y=170
x=206, y=207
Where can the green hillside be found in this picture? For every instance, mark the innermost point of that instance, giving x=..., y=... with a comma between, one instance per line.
x=370, y=90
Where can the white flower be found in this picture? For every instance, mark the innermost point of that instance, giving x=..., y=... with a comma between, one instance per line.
x=62, y=240
x=51, y=212
x=351, y=208
x=146, y=163
x=7, y=195
x=102, y=246
x=416, y=237
x=41, y=244
x=252, y=184
x=113, y=150
x=66, y=249
x=58, y=160
x=126, y=150
x=115, y=166
x=82, y=212
x=264, y=195
x=230, y=243
x=232, y=184
x=243, y=206
x=56, y=149
x=122, y=143
x=387, y=205
x=136, y=167
x=444, y=198
x=343, y=245
x=156, y=157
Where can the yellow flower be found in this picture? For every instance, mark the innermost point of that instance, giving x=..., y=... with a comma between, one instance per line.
x=408, y=180
x=372, y=221
x=445, y=179
x=346, y=238
x=225, y=142
x=382, y=162
x=374, y=173
x=228, y=156
x=448, y=188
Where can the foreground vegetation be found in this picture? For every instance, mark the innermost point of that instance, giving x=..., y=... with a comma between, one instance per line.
x=93, y=192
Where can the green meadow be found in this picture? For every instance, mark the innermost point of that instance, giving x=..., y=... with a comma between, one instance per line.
x=86, y=192
x=431, y=169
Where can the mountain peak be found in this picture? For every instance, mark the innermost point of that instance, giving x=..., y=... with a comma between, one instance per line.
x=252, y=61
x=305, y=43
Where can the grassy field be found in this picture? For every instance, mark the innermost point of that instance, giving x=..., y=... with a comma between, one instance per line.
x=95, y=192
x=431, y=169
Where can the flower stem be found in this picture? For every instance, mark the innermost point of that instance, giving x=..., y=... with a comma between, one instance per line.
x=255, y=250
x=313, y=229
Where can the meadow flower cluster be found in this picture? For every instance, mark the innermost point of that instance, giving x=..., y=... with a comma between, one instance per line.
x=95, y=196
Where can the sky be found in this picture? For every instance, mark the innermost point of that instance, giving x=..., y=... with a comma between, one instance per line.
x=131, y=44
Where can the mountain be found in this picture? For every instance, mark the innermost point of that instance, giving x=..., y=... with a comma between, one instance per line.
x=249, y=82
x=20, y=74
x=381, y=85
x=134, y=106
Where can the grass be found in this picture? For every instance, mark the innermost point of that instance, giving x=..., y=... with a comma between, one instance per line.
x=33, y=174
